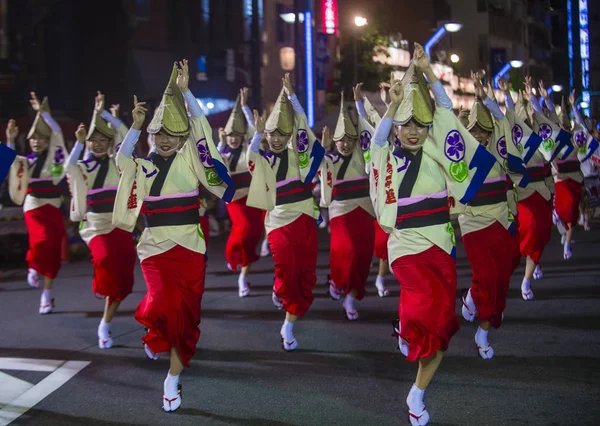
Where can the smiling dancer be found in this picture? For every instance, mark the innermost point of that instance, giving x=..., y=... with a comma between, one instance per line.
x=171, y=250
x=345, y=192
x=246, y=222
x=281, y=184
x=437, y=156
x=93, y=183
x=34, y=182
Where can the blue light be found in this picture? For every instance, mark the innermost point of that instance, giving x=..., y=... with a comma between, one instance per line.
x=434, y=39
x=570, y=40
x=584, y=49
x=503, y=71
x=308, y=47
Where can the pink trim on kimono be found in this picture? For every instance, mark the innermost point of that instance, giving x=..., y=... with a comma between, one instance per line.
x=40, y=179
x=166, y=197
x=285, y=182
x=417, y=199
x=108, y=188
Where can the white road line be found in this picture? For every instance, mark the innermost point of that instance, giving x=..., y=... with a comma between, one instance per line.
x=29, y=364
x=11, y=388
x=33, y=396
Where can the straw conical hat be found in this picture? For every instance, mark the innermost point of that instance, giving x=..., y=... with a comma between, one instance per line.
x=171, y=115
x=344, y=126
x=236, y=123
x=281, y=117
x=39, y=125
x=563, y=117
x=481, y=116
x=417, y=102
x=101, y=126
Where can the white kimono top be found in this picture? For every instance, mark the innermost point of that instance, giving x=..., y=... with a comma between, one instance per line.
x=197, y=163
x=34, y=179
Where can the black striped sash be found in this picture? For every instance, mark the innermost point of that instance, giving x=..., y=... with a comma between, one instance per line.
x=539, y=173
x=101, y=202
x=569, y=166
x=430, y=211
x=43, y=189
x=351, y=190
x=241, y=180
x=292, y=192
x=171, y=212
x=490, y=193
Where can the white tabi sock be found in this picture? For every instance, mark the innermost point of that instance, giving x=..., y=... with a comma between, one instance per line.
x=481, y=340
x=537, y=274
x=46, y=296
x=287, y=331
x=349, y=303
x=526, y=289
x=103, y=329
x=415, y=399
x=171, y=384
x=242, y=281
x=380, y=283
x=567, y=251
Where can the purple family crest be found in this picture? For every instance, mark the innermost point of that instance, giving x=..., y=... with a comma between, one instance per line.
x=454, y=147
x=517, y=134
x=580, y=138
x=545, y=131
x=365, y=140
x=302, y=139
x=59, y=155
x=501, y=147
x=204, y=152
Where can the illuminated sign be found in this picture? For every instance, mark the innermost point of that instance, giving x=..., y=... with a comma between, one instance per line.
x=584, y=49
x=570, y=39
x=308, y=45
x=330, y=16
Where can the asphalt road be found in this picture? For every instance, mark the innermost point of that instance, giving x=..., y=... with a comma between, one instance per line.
x=546, y=370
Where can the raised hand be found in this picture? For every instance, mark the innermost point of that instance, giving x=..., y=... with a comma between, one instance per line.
x=221, y=133
x=503, y=85
x=326, y=138
x=572, y=97
x=138, y=114
x=529, y=87
x=383, y=92
x=357, y=93
x=114, y=110
x=287, y=85
x=81, y=133
x=12, y=131
x=244, y=96
x=183, y=76
x=397, y=93
x=99, y=105
x=543, y=90
x=259, y=122
x=420, y=58
x=480, y=90
x=34, y=101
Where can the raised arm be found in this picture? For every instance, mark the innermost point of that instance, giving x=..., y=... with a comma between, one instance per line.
x=254, y=145
x=531, y=97
x=12, y=131
x=380, y=138
x=358, y=100
x=245, y=108
x=508, y=100
x=139, y=115
x=43, y=109
x=79, y=145
x=421, y=61
x=576, y=111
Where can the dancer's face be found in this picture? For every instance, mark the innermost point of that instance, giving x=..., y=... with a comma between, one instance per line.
x=345, y=146
x=233, y=141
x=38, y=143
x=482, y=136
x=412, y=135
x=277, y=141
x=98, y=144
x=167, y=145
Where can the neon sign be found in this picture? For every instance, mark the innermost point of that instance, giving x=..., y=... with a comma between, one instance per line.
x=308, y=45
x=330, y=16
x=570, y=39
x=584, y=49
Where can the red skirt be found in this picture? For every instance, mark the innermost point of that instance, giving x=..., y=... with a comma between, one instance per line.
x=490, y=253
x=427, y=307
x=247, y=225
x=381, y=240
x=46, y=229
x=171, y=307
x=566, y=203
x=515, y=247
x=294, y=248
x=205, y=226
x=113, y=257
x=351, y=250
x=535, y=226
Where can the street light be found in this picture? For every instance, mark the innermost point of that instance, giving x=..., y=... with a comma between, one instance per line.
x=557, y=88
x=515, y=63
x=454, y=58
x=450, y=27
x=359, y=21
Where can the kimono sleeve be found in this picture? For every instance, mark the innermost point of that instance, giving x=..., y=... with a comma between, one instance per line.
x=555, y=141
x=365, y=134
x=131, y=191
x=526, y=140
x=464, y=162
x=18, y=180
x=206, y=161
x=587, y=146
x=309, y=150
x=77, y=178
x=326, y=173
x=507, y=153
x=263, y=186
x=386, y=178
